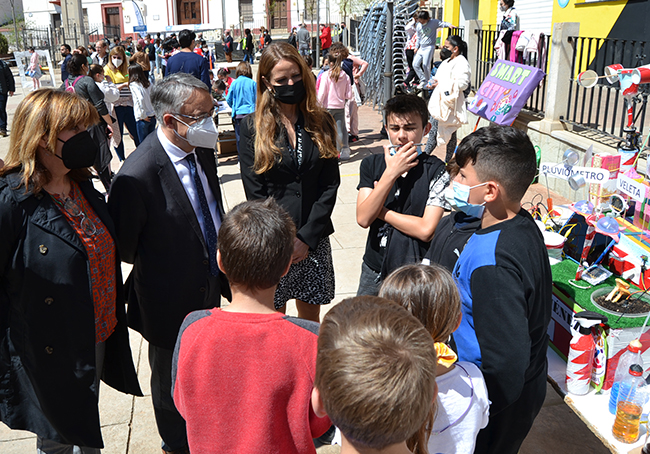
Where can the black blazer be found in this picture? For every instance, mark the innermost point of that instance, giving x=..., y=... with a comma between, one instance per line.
x=307, y=192
x=158, y=232
x=47, y=320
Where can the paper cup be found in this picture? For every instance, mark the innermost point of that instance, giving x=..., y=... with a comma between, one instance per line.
x=588, y=78
x=611, y=72
x=641, y=75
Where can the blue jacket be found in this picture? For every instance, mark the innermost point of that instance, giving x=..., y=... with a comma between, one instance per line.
x=242, y=96
x=191, y=63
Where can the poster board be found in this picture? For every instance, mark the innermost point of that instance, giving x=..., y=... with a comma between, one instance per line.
x=504, y=91
x=22, y=61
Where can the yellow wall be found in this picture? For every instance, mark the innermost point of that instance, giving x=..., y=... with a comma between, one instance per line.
x=451, y=12
x=596, y=19
x=487, y=12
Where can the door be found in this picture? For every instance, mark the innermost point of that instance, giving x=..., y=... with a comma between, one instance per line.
x=189, y=12
x=112, y=22
x=279, y=15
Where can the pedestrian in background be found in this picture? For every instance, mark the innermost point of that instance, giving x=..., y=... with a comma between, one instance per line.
x=247, y=46
x=7, y=88
x=228, y=46
x=303, y=40
x=242, y=96
x=34, y=68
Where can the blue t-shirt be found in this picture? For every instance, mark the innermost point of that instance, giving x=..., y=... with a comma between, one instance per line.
x=64, y=68
x=242, y=96
x=190, y=63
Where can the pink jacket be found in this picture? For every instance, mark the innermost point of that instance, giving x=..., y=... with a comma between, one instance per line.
x=333, y=94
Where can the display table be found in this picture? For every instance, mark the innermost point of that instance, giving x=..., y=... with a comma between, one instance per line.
x=591, y=408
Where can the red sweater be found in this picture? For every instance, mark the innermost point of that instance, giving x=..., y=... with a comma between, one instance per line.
x=243, y=383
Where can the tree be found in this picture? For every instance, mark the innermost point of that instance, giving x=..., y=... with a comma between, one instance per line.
x=4, y=45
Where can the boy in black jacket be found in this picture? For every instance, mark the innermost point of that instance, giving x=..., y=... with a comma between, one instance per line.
x=401, y=194
x=504, y=278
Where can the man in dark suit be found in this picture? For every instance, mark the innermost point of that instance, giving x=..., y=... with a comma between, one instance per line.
x=7, y=88
x=167, y=208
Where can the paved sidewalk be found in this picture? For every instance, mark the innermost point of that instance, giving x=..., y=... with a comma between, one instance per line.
x=128, y=424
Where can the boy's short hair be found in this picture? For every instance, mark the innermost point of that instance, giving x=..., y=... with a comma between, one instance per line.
x=502, y=154
x=406, y=105
x=220, y=85
x=256, y=244
x=375, y=371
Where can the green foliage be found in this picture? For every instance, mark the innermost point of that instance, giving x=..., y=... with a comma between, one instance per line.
x=4, y=44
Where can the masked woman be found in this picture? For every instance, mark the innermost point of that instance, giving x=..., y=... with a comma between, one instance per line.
x=62, y=318
x=447, y=102
x=287, y=151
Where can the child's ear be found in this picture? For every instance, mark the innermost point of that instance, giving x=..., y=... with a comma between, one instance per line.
x=427, y=128
x=219, y=262
x=317, y=403
x=287, y=270
x=492, y=191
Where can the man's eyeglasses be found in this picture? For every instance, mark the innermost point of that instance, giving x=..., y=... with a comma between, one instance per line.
x=199, y=118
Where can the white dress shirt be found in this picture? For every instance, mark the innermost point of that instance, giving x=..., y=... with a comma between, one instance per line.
x=178, y=159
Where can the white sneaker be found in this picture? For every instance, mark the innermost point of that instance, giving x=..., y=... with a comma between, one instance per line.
x=345, y=154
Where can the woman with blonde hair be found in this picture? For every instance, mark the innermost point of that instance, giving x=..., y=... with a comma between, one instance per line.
x=287, y=151
x=62, y=318
x=117, y=71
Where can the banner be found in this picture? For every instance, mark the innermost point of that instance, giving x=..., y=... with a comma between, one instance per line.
x=504, y=91
x=590, y=174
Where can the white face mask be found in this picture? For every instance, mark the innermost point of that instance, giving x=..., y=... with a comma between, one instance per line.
x=503, y=7
x=201, y=134
x=117, y=62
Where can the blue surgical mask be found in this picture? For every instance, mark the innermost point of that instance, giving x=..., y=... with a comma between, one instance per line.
x=458, y=198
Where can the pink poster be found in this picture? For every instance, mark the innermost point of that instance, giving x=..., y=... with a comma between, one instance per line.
x=505, y=91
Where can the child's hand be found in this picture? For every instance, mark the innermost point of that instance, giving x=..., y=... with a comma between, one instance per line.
x=402, y=161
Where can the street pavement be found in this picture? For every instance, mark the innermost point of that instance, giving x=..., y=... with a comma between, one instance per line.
x=128, y=423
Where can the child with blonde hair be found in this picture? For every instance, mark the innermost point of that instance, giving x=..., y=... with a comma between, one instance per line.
x=430, y=294
x=375, y=374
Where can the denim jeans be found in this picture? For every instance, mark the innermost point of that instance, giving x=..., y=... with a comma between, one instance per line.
x=145, y=128
x=369, y=281
x=125, y=116
x=3, y=111
x=248, y=56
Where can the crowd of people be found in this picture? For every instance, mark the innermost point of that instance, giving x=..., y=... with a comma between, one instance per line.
x=442, y=350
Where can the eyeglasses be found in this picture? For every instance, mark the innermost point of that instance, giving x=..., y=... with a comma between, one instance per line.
x=199, y=118
x=73, y=209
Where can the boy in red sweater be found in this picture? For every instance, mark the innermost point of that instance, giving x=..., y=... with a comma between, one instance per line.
x=376, y=376
x=243, y=375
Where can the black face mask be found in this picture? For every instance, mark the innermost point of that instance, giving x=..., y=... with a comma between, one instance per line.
x=445, y=53
x=290, y=94
x=79, y=151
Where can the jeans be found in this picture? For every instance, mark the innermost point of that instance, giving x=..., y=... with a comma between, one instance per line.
x=304, y=49
x=145, y=128
x=422, y=63
x=171, y=425
x=248, y=56
x=410, y=55
x=339, y=118
x=3, y=111
x=369, y=281
x=125, y=116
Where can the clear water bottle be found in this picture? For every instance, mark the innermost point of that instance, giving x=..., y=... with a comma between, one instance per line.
x=631, y=356
x=631, y=396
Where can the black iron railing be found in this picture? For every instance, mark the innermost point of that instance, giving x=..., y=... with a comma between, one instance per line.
x=600, y=109
x=486, y=57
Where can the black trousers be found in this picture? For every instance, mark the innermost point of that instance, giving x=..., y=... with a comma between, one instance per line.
x=171, y=425
x=507, y=429
x=410, y=54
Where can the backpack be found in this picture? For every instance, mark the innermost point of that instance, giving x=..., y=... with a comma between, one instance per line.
x=70, y=88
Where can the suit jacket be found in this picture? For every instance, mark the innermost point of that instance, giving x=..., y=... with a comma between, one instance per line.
x=158, y=232
x=307, y=192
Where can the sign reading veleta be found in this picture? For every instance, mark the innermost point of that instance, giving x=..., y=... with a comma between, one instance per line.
x=630, y=187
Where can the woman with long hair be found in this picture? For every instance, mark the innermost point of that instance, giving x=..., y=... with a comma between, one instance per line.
x=62, y=318
x=288, y=151
x=117, y=70
x=447, y=102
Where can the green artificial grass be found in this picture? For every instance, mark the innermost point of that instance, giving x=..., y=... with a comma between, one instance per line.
x=566, y=270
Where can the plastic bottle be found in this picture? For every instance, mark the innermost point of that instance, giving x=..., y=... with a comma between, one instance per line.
x=629, y=406
x=631, y=356
x=580, y=361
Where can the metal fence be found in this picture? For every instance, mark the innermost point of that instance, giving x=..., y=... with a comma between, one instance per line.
x=600, y=109
x=486, y=56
